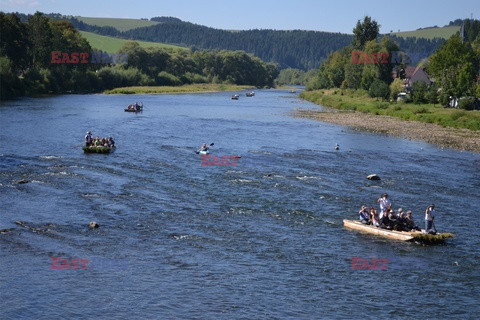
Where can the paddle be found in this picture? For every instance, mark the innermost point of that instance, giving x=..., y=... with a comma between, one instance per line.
x=198, y=151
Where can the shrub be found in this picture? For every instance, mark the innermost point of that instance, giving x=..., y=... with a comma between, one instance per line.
x=467, y=103
x=167, y=79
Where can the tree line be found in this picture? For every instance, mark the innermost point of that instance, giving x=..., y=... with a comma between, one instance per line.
x=298, y=49
x=26, y=66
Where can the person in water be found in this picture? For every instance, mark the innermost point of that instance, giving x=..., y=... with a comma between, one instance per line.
x=429, y=217
x=364, y=216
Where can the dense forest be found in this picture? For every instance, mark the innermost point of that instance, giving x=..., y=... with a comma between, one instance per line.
x=27, y=64
x=288, y=49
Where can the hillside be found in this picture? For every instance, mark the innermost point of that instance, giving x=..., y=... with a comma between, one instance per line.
x=429, y=33
x=112, y=44
x=117, y=23
x=298, y=49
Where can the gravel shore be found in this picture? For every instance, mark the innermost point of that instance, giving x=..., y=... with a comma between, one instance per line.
x=460, y=139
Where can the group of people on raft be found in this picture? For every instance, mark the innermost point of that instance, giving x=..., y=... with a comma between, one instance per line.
x=90, y=141
x=134, y=107
x=398, y=221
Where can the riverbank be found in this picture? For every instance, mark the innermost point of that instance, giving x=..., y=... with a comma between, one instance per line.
x=359, y=100
x=188, y=88
x=460, y=139
x=352, y=113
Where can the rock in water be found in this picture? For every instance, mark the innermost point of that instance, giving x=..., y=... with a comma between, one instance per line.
x=373, y=177
x=93, y=224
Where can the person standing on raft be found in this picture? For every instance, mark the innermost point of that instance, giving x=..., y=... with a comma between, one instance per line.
x=88, y=139
x=429, y=217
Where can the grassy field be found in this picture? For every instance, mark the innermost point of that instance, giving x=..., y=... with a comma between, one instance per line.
x=430, y=33
x=429, y=113
x=111, y=44
x=117, y=23
x=190, y=88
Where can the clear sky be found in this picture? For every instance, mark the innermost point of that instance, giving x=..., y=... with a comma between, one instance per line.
x=332, y=15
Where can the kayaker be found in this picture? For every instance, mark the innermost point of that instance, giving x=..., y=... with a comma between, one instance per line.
x=409, y=223
x=204, y=147
x=88, y=139
x=429, y=217
x=385, y=204
x=364, y=215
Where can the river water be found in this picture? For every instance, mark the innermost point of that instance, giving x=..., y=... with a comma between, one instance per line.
x=260, y=240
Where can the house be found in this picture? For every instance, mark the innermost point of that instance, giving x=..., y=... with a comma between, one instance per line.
x=410, y=75
x=415, y=74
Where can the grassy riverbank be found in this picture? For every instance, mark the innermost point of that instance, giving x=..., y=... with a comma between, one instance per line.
x=189, y=88
x=359, y=100
x=445, y=127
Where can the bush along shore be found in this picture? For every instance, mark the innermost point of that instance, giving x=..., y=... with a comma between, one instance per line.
x=445, y=127
x=187, y=88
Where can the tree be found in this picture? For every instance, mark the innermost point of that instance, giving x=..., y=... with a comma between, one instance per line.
x=353, y=75
x=335, y=68
x=379, y=89
x=419, y=90
x=14, y=40
x=455, y=65
x=10, y=85
x=395, y=88
x=365, y=31
x=369, y=75
x=40, y=35
x=431, y=96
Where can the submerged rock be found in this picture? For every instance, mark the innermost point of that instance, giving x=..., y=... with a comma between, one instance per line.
x=373, y=177
x=21, y=181
x=93, y=224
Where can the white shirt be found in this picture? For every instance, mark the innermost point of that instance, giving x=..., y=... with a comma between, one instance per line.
x=384, y=204
x=429, y=214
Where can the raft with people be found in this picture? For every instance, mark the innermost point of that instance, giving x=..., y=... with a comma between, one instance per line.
x=414, y=235
x=97, y=144
x=134, y=107
x=98, y=149
x=396, y=225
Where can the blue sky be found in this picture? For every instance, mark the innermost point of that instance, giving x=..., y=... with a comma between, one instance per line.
x=333, y=16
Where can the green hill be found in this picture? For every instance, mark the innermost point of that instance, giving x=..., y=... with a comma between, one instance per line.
x=117, y=23
x=111, y=44
x=429, y=33
x=287, y=48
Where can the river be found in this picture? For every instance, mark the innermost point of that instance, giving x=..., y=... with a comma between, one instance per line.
x=260, y=240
